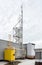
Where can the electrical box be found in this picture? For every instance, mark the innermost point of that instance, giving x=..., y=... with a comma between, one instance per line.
x=9, y=54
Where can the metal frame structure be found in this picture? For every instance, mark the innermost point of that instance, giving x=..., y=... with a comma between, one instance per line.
x=18, y=31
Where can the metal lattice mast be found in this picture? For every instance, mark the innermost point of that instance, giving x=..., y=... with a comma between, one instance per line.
x=18, y=36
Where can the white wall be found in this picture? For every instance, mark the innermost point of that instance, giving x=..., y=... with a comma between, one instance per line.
x=30, y=49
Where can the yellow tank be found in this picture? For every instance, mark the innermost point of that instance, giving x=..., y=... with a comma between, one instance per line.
x=9, y=54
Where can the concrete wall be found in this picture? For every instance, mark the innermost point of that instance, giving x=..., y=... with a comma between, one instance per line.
x=3, y=45
x=38, y=53
x=30, y=50
x=25, y=47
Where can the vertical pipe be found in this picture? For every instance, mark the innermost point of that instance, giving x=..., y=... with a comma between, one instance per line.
x=21, y=25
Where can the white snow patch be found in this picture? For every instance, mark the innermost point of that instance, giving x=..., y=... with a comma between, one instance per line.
x=27, y=62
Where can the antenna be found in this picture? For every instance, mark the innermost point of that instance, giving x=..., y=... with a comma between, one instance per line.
x=18, y=36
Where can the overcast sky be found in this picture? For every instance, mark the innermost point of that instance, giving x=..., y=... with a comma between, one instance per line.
x=32, y=18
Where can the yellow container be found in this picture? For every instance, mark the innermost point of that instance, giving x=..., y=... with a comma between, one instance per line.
x=9, y=54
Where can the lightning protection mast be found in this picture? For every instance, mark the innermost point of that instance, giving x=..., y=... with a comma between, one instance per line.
x=18, y=31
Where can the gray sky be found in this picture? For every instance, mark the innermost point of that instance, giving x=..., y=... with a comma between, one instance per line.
x=32, y=18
